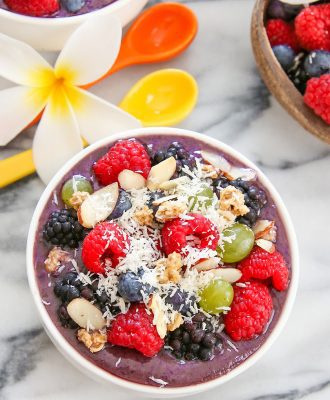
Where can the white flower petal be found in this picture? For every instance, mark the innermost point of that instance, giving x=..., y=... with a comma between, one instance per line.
x=57, y=137
x=21, y=64
x=97, y=118
x=90, y=51
x=18, y=107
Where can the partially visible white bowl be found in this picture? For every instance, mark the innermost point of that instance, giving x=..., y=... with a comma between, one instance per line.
x=51, y=33
x=100, y=374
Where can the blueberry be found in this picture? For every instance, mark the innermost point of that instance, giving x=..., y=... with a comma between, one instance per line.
x=159, y=157
x=72, y=293
x=285, y=56
x=123, y=204
x=317, y=63
x=71, y=278
x=180, y=301
x=130, y=287
x=102, y=298
x=73, y=5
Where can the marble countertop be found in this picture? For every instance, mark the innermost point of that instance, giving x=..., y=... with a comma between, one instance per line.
x=235, y=107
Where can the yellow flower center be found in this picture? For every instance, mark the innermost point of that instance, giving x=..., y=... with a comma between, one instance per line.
x=56, y=86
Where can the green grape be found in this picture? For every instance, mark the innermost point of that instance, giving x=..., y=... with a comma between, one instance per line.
x=202, y=199
x=240, y=246
x=216, y=295
x=77, y=183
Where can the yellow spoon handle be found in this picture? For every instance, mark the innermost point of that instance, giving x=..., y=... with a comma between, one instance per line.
x=16, y=167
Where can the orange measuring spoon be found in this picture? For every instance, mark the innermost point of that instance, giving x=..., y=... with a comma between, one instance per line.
x=158, y=34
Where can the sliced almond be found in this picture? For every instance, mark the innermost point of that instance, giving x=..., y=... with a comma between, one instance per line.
x=172, y=184
x=129, y=180
x=85, y=314
x=159, y=316
x=216, y=160
x=161, y=172
x=266, y=245
x=230, y=275
x=262, y=227
x=208, y=264
x=246, y=174
x=98, y=206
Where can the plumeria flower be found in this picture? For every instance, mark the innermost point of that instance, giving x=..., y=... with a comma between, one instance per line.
x=69, y=112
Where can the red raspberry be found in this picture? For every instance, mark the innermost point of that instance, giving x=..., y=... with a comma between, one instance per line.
x=263, y=265
x=250, y=311
x=317, y=96
x=135, y=330
x=35, y=8
x=281, y=32
x=313, y=27
x=125, y=154
x=174, y=233
x=103, y=247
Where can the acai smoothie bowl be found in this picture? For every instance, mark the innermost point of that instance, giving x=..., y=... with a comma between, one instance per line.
x=47, y=24
x=163, y=261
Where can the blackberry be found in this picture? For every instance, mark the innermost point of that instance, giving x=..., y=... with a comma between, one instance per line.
x=181, y=301
x=65, y=318
x=297, y=73
x=254, y=198
x=63, y=229
x=194, y=340
x=179, y=152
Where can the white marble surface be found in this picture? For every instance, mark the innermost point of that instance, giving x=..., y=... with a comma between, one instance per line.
x=235, y=107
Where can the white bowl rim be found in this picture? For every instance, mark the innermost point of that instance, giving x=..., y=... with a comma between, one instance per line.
x=62, y=21
x=97, y=372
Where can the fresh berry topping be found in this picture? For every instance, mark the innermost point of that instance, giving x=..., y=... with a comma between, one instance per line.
x=181, y=301
x=73, y=5
x=263, y=265
x=104, y=246
x=182, y=156
x=297, y=73
x=123, y=204
x=254, y=197
x=63, y=229
x=34, y=8
x=125, y=154
x=64, y=317
x=285, y=56
x=312, y=27
x=135, y=330
x=174, y=234
x=278, y=9
x=250, y=311
x=131, y=287
x=317, y=63
x=194, y=340
x=317, y=96
x=281, y=32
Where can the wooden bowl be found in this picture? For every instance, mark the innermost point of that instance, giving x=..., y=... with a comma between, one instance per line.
x=276, y=79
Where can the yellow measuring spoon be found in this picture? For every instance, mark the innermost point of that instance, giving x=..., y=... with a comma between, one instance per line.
x=162, y=98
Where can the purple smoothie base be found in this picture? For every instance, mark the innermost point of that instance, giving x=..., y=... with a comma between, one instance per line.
x=91, y=5
x=133, y=365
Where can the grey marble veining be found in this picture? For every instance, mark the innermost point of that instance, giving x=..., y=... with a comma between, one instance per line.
x=235, y=107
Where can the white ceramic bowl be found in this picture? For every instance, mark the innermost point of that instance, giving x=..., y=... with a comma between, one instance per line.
x=98, y=373
x=51, y=33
